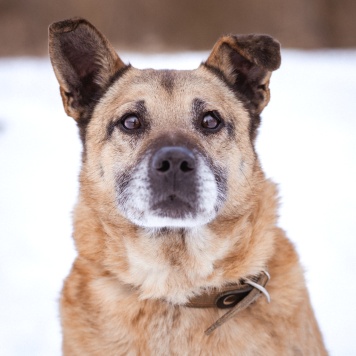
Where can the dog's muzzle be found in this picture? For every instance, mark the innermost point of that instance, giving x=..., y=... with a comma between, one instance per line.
x=172, y=176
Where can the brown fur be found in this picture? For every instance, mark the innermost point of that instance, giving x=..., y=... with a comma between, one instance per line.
x=127, y=287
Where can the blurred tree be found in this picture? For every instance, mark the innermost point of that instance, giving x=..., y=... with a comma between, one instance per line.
x=156, y=25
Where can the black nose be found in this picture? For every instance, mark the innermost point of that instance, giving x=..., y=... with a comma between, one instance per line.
x=173, y=160
x=172, y=175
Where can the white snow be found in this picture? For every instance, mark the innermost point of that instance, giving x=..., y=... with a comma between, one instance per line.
x=307, y=144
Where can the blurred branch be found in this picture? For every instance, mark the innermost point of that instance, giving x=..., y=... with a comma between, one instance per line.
x=166, y=25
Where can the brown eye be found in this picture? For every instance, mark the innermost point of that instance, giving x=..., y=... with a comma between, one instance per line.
x=131, y=122
x=210, y=121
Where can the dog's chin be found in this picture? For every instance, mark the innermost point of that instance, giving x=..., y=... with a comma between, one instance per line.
x=159, y=218
x=157, y=222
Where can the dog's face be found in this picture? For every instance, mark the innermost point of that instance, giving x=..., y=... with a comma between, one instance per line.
x=165, y=148
x=163, y=145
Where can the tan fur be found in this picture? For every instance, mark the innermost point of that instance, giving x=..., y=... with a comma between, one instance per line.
x=125, y=292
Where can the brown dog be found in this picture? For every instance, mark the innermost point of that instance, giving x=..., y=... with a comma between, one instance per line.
x=175, y=225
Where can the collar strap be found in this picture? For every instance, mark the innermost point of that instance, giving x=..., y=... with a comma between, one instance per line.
x=235, y=297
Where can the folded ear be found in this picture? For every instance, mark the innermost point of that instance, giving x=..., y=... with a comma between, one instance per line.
x=83, y=61
x=246, y=62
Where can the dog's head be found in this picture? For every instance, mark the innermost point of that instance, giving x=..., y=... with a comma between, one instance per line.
x=165, y=148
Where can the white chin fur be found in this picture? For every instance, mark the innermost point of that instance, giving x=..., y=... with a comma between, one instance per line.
x=154, y=221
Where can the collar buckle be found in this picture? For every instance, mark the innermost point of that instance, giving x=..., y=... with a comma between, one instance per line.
x=230, y=298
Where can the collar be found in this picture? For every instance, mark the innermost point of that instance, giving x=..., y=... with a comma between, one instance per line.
x=235, y=297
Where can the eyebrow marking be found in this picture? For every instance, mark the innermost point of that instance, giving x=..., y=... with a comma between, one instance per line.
x=198, y=106
x=140, y=107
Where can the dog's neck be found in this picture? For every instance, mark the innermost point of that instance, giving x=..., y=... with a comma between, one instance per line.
x=234, y=298
x=176, y=264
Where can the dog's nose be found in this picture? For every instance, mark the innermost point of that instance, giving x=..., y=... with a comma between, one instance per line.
x=172, y=175
x=173, y=160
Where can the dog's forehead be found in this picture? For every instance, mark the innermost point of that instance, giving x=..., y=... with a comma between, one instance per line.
x=170, y=99
x=158, y=86
x=167, y=79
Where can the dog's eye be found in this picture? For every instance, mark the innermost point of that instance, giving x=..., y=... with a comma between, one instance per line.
x=210, y=121
x=131, y=122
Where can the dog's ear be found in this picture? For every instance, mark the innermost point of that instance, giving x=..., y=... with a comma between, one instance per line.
x=246, y=63
x=83, y=61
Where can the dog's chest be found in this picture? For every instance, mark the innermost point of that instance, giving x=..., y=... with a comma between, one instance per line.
x=155, y=327
x=173, y=268
x=180, y=331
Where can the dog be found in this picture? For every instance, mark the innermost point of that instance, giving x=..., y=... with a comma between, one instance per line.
x=179, y=252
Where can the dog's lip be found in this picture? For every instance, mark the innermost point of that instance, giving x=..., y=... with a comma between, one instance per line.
x=171, y=199
x=170, y=202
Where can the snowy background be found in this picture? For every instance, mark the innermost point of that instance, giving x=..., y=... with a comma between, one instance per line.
x=307, y=144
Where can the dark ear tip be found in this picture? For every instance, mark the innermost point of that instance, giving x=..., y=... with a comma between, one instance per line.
x=66, y=25
x=263, y=50
x=274, y=48
x=270, y=52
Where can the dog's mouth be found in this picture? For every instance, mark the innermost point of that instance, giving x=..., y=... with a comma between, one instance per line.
x=172, y=187
x=172, y=206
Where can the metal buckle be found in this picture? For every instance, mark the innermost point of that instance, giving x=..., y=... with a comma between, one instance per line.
x=262, y=289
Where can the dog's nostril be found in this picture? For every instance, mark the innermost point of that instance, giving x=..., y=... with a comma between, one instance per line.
x=173, y=160
x=164, y=167
x=185, y=167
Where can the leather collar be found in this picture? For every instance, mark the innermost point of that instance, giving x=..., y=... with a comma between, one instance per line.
x=235, y=297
